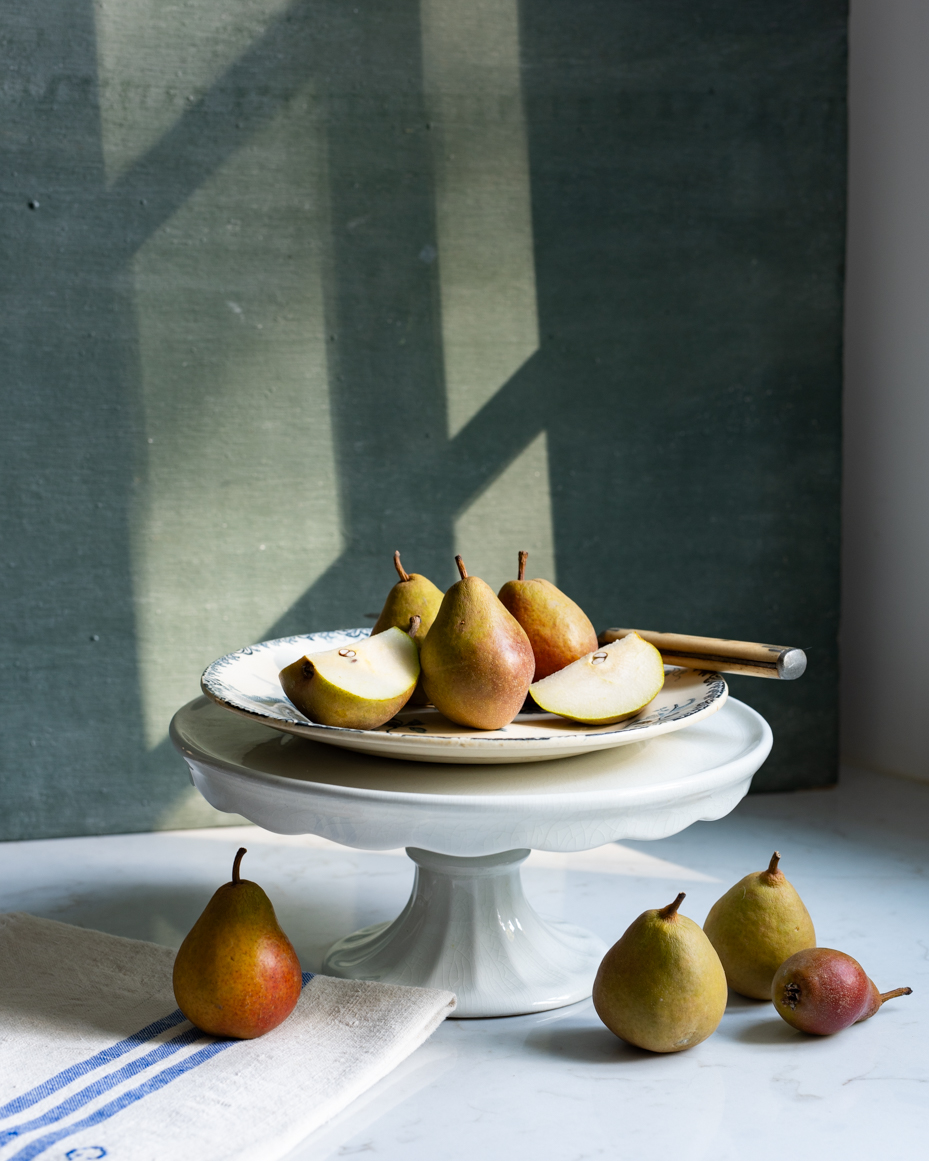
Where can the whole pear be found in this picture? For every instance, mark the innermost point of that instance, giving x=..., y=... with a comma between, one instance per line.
x=412, y=595
x=755, y=926
x=236, y=973
x=559, y=631
x=822, y=991
x=661, y=987
x=477, y=661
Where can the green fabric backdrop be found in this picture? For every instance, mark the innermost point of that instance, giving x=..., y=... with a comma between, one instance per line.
x=288, y=285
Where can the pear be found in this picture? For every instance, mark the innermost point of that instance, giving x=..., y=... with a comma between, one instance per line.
x=606, y=686
x=357, y=687
x=236, y=973
x=411, y=595
x=661, y=987
x=477, y=660
x=559, y=631
x=755, y=926
x=821, y=991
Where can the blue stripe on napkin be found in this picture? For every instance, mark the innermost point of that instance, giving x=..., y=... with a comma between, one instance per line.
x=61, y=1079
x=153, y=1084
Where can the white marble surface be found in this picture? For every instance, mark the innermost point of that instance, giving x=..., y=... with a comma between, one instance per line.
x=558, y=1086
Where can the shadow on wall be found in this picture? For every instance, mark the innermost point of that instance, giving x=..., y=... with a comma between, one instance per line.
x=319, y=282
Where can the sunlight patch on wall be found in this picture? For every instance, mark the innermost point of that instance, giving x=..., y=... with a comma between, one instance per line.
x=154, y=59
x=483, y=210
x=512, y=513
x=236, y=510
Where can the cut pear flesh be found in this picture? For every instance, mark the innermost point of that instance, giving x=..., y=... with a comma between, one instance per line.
x=606, y=686
x=359, y=686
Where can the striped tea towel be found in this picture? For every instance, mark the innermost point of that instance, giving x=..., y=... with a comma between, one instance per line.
x=97, y=1061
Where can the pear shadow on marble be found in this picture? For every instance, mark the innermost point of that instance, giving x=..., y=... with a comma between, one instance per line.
x=769, y=1032
x=738, y=1003
x=588, y=1044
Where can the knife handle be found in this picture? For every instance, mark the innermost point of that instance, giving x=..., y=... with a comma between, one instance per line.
x=719, y=654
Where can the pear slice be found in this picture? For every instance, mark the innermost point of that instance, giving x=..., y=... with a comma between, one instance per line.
x=359, y=686
x=606, y=686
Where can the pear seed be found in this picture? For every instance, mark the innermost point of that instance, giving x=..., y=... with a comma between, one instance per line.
x=346, y=652
x=598, y=657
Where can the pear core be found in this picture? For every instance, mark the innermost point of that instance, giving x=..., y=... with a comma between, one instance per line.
x=359, y=686
x=606, y=686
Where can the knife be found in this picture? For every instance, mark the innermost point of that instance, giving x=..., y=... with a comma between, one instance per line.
x=719, y=654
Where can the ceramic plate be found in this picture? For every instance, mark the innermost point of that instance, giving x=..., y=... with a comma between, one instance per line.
x=246, y=682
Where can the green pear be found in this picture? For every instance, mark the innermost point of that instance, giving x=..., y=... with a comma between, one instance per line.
x=412, y=595
x=606, y=686
x=477, y=660
x=357, y=687
x=661, y=987
x=756, y=926
x=236, y=973
x=559, y=631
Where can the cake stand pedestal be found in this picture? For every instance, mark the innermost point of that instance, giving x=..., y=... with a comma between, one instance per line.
x=468, y=927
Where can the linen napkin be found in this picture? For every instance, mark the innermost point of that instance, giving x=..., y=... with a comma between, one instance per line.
x=97, y=1061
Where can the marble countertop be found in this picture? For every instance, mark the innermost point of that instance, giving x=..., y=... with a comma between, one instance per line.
x=558, y=1086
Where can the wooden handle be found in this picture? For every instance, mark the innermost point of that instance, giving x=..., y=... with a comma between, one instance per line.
x=717, y=653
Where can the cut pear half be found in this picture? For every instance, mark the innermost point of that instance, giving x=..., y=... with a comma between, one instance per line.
x=357, y=687
x=606, y=686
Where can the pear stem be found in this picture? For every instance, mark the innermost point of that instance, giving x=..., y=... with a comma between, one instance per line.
x=885, y=996
x=415, y=621
x=461, y=568
x=670, y=911
x=523, y=557
x=237, y=862
x=775, y=859
x=401, y=571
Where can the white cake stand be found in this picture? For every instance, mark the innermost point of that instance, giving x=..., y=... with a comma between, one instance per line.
x=468, y=927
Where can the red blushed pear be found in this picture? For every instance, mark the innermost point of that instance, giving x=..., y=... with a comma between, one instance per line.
x=477, y=661
x=237, y=974
x=822, y=991
x=558, y=630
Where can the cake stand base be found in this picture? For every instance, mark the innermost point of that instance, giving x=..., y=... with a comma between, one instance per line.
x=469, y=928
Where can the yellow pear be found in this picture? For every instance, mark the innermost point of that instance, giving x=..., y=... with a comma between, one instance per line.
x=661, y=987
x=756, y=926
x=412, y=595
x=606, y=686
x=359, y=686
x=558, y=630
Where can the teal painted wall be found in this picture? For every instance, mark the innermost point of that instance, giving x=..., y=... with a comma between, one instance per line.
x=286, y=286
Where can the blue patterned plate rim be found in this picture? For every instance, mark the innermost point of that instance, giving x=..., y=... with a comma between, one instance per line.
x=245, y=682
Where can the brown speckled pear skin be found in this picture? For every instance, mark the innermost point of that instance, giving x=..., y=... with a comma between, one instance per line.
x=236, y=973
x=559, y=630
x=412, y=595
x=756, y=926
x=661, y=987
x=477, y=661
